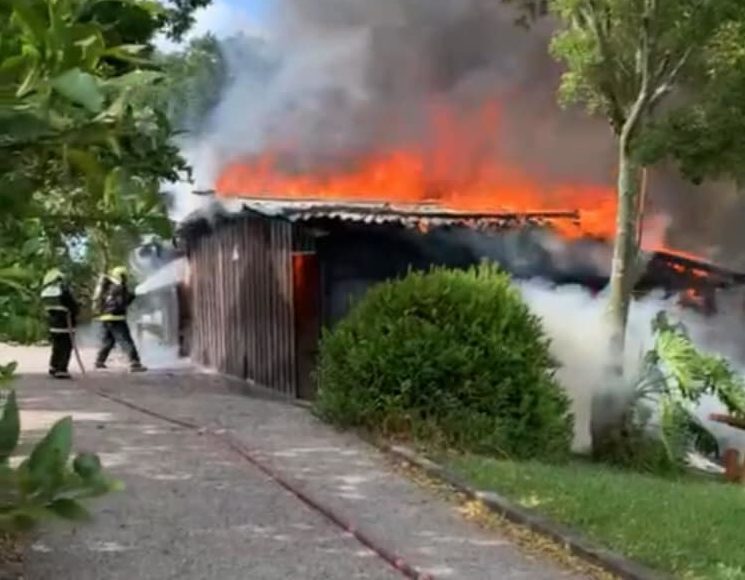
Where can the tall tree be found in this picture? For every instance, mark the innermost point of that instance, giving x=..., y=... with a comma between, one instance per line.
x=636, y=62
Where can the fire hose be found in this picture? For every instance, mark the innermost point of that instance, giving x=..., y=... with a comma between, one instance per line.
x=240, y=449
x=74, y=342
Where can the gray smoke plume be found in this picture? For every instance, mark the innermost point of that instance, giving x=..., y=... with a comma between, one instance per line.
x=331, y=81
x=356, y=77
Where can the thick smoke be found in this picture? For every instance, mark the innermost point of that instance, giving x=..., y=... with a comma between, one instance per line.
x=575, y=322
x=329, y=81
x=336, y=80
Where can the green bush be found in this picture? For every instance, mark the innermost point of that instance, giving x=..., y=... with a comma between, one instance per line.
x=46, y=484
x=675, y=376
x=448, y=357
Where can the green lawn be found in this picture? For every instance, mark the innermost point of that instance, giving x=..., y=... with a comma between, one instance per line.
x=692, y=528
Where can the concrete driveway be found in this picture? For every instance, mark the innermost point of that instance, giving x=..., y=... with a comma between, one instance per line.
x=196, y=509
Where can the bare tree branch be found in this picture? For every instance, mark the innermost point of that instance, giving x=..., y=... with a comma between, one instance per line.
x=646, y=48
x=662, y=68
x=668, y=83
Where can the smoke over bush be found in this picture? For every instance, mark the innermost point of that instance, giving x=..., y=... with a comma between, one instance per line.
x=575, y=322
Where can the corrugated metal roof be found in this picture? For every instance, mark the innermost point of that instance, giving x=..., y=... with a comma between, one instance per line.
x=419, y=216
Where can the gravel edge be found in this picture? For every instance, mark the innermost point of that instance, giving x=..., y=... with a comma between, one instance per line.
x=578, y=545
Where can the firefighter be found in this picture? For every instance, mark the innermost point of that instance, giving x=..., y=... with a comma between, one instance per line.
x=62, y=311
x=112, y=298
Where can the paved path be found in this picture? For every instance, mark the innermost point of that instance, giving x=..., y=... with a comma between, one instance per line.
x=195, y=510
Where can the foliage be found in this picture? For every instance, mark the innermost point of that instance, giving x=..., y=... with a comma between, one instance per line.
x=625, y=58
x=45, y=484
x=193, y=82
x=64, y=88
x=675, y=376
x=449, y=357
x=646, y=66
x=82, y=154
x=707, y=138
x=685, y=369
x=178, y=16
x=686, y=527
x=6, y=373
x=28, y=249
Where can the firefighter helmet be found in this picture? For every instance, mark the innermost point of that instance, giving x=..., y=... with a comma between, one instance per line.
x=52, y=276
x=119, y=273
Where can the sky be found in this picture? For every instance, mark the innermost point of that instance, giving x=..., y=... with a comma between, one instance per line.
x=225, y=18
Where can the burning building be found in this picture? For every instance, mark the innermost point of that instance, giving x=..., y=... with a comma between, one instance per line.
x=265, y=276
x=359, y=139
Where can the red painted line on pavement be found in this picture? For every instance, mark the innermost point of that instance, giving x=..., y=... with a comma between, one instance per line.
x=240, y=449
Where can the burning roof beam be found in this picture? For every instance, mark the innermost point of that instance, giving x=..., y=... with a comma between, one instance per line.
x=700, y=268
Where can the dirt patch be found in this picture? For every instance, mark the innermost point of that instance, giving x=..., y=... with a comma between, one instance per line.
x=11, y=557
x=475, y=511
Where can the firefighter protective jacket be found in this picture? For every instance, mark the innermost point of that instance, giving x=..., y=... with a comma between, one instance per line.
x=113, y=298
x=60, y=306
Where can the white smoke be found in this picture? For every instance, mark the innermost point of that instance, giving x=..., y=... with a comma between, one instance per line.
x=576, y=323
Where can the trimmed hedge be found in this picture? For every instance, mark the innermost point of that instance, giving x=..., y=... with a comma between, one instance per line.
x=449, y=357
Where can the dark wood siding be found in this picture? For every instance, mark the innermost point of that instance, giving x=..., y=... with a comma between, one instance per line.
x=242, y=300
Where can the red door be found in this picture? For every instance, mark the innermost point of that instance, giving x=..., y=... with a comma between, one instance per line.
x=306, y=282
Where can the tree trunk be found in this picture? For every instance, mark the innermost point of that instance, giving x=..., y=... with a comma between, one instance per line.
x=626, y=248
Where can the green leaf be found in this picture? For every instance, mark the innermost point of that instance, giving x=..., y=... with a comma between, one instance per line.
x=7, y=370
x=90, y=168
x=17, y=521
x=20, y=127
x=150, y=6
x=20, y=288
x=116, y=485
x=10, y=427
x=29, y=81
x=29, y=15
x=137, y=78
x=87, y=466
x=127, y=54
x=47, y=462
x=116, y=147
x=81, y=88
x=112, y=188
x=8, y=483
x=69, y=509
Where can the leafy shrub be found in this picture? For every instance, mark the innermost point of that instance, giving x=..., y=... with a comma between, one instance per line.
x=45, y=484
x=659, y=426
x=449, y=357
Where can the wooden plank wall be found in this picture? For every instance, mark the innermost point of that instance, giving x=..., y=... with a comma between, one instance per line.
x=242, y=297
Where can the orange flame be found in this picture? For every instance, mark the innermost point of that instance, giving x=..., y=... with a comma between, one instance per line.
x=461, y=169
